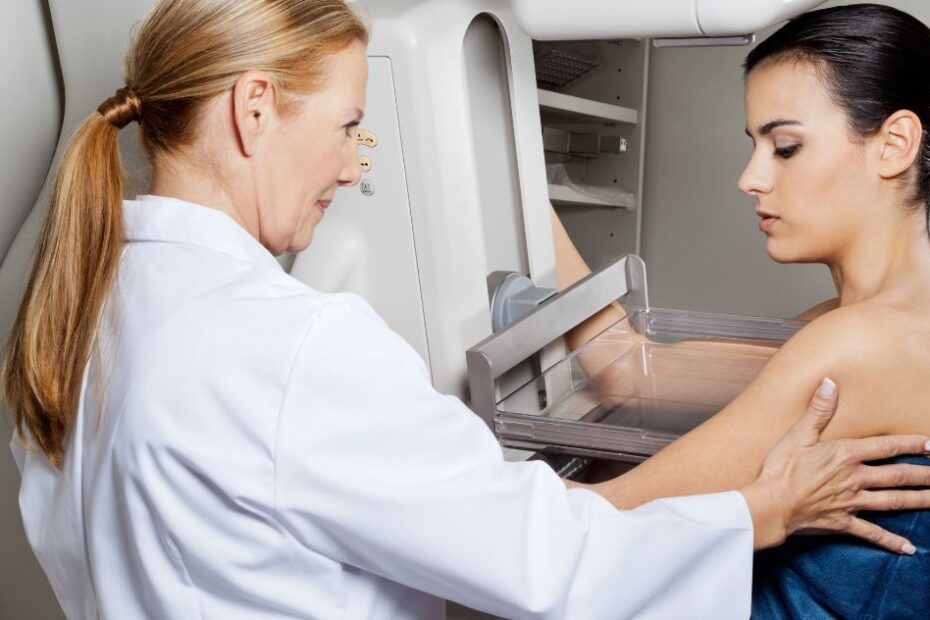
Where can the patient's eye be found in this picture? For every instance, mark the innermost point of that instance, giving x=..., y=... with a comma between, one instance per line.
x=785, y=152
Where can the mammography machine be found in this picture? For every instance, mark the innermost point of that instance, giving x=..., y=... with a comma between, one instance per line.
x=456, y=193
x=456, y=190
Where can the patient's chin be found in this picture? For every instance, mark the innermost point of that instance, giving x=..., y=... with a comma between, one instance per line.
x=783, y=253
x=778, y=250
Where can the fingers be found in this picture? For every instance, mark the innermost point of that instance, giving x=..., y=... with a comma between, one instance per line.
x=819, y=412
x=891, y=500
x=898, y=475
x=880, y=537
x=877, y=448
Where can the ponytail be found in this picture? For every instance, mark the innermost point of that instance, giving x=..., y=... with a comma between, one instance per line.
x=75, y=264
x=184, y=55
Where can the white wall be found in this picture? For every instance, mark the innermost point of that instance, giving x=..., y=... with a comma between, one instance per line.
x=700, y=238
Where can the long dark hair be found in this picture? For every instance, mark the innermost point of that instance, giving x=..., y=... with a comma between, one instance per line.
x=874, y=60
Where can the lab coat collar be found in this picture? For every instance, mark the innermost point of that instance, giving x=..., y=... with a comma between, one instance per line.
x=159, y=218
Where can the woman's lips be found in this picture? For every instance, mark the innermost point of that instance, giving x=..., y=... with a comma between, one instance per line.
x=322, y=204
x=767, y=221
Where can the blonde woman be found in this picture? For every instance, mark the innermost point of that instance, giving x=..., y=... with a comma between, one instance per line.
x=202, y=436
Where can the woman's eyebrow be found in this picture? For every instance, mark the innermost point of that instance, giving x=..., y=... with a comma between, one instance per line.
x=769, y=126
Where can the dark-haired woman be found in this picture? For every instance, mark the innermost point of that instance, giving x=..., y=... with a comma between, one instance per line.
x=838, y=110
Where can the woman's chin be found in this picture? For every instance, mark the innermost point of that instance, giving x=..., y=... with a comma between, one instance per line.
x=301, y=241
x=784, y=254
x=783, y=260
x=778, y=252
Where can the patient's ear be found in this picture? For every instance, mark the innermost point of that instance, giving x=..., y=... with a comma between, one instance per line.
x=899, y=143
x=253, y=104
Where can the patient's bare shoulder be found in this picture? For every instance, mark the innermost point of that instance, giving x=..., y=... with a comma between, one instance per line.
x=840, y=334
x=858, y=347
x=819, y=310
x=836, y=337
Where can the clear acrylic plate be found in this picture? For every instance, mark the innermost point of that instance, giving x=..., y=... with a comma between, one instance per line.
x=629, y=392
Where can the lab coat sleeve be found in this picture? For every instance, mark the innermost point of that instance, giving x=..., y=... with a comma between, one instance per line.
x=377, y=470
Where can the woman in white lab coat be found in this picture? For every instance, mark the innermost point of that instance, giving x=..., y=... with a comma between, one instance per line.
x=200, y=435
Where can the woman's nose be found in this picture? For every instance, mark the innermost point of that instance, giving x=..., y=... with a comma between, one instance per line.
x=351, y=173
x=755, y=178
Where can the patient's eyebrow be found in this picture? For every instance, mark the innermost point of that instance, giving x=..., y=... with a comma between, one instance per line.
x=769, y=126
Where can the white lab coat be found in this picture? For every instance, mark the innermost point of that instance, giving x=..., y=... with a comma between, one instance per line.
x=264, y=450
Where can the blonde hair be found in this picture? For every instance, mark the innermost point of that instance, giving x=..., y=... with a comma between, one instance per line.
x=186, y=53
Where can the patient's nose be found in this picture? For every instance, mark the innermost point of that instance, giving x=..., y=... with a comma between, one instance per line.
x=755, y=179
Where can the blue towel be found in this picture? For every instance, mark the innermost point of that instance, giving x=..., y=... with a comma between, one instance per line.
x=814, y=577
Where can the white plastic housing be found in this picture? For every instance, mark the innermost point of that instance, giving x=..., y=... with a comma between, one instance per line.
x=458, y=180
x=608, y=19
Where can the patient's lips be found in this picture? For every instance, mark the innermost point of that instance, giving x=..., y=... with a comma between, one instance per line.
x=767, y=220
x=322, y=204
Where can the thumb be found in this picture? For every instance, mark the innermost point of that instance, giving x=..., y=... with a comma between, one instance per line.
x=819, y=413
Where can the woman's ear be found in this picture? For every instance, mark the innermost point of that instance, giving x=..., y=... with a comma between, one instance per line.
x=253, y=104
x=899, y=141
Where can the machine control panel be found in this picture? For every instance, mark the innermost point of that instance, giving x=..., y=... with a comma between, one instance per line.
x=367, y=138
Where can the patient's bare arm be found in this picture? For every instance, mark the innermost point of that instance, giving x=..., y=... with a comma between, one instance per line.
x=571, y=267
x=809, y=484
x=815, y=485
x=727, y=451
x=621, y=379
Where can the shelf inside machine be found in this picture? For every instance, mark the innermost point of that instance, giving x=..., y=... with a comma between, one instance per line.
x=563, y=194
x=571, y=108
x=640, y=384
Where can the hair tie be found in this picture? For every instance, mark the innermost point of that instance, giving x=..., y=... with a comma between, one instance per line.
x=122, y=108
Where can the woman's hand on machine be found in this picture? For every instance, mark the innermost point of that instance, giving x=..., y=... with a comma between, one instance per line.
x=809, y=484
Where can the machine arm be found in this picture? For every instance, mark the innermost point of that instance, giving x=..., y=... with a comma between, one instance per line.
x=613, y=19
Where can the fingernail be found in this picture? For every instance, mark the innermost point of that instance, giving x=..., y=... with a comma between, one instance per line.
x=908, y=549
x=827, y=388
x=927, y=447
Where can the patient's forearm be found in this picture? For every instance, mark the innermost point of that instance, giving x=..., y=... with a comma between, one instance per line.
x=571, y=267
x=629, y=377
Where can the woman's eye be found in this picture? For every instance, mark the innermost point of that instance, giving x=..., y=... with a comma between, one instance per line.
x=787, y=151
